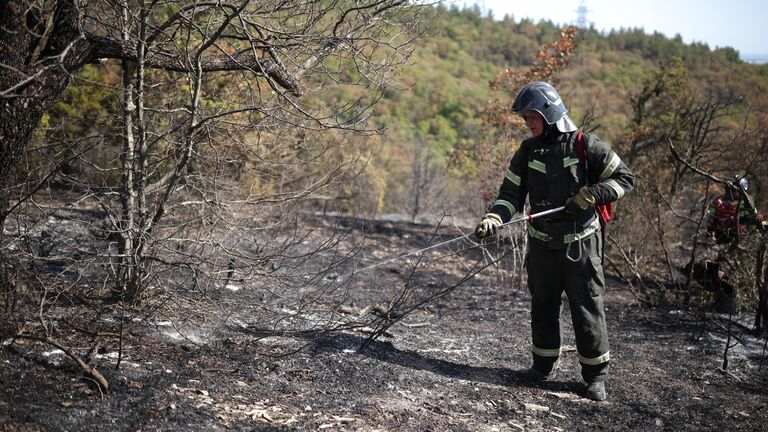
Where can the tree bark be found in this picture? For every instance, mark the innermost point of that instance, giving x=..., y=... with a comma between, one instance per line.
x=36, y=71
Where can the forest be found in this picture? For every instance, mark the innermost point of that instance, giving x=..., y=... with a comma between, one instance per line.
x=259, y=215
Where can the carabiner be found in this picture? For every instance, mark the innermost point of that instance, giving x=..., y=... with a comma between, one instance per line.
x=576, y=240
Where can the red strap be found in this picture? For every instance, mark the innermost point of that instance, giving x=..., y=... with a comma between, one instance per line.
x=580, y=148
x=606, y=211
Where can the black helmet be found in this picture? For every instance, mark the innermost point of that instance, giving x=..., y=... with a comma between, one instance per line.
x=543, y=98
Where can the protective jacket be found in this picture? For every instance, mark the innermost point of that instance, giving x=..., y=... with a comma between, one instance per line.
x=548, y=172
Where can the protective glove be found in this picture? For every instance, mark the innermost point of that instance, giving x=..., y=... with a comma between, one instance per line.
x=488, y=226
x=581, y=201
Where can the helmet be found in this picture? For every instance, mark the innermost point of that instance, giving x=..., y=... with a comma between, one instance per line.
x=742, y=181
x=542, y=97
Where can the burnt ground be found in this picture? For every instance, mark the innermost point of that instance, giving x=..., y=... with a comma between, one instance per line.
x=448, y=365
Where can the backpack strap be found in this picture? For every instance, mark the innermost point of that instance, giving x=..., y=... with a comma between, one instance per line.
x=581, y=152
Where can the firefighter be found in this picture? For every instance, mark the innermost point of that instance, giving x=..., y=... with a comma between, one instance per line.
x=565, y=249
x=732, y=218
x=731, y=213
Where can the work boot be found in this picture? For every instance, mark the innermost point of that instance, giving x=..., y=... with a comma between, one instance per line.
x=534, y=375
x=596, y=391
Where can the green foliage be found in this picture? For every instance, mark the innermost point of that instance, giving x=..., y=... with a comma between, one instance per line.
x=87, y=103
x=443, y=92
x=447, y=83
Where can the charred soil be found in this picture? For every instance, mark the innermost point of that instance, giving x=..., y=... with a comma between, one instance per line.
x=448, y=364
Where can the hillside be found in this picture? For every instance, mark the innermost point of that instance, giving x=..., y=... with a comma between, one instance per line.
x=429, y=159
x=446, y=93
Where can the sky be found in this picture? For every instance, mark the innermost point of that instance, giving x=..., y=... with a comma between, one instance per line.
x=740, y=24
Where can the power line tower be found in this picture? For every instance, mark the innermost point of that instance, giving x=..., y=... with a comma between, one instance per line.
x=581, y=20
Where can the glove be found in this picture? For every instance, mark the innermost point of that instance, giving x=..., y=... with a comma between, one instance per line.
x=578, y=203
x=488, y=226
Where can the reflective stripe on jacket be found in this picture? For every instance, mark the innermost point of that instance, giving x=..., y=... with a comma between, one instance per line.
x=548, y=173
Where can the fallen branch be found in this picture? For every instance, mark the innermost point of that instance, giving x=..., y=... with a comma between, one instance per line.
x=730, y=374
x=399, y=310
x=89, y=371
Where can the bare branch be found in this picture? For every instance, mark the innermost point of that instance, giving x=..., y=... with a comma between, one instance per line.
x=691, y=166
x=105, y=48
x=89, y=371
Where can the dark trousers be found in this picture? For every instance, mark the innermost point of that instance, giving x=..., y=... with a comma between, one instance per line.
x=549, y=274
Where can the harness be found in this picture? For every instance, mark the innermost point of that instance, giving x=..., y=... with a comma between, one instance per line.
x=567, y=238
x=563, y=234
